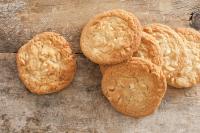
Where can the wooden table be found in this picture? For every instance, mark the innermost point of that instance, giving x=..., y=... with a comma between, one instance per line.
x=82, y=107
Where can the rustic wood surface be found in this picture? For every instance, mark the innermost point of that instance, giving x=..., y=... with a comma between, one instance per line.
x=82, y=107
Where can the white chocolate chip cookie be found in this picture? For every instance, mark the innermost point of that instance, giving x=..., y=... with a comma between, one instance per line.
x=171, y=45
x=111, y=37
x=190, y=73
x=134, y=88
x=46, y=63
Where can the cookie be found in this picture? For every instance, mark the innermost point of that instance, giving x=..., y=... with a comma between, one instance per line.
x=134, y=88
x=171, y=45
x=149, y=49
x=46, y=63
x=103, y=68
x=111, y=37
x=190, y=73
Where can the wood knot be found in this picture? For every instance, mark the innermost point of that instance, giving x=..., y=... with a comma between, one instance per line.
x=195, y=19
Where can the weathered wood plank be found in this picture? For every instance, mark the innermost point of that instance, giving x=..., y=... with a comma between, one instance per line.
x=22, y=19
x=82, y=107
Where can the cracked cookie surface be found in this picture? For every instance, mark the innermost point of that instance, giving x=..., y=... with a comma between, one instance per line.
x=111, y=37
x=190, y=73
x=171, y=45
x=134, y=88
x=148, y=49
x=46, y=63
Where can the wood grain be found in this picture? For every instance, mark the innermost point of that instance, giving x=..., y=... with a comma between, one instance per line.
x=20, y=20
x=82, y=107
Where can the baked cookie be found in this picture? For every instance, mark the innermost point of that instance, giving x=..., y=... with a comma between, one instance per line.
x=134, y=88
x=190, y=73
x=103, y=68
x=149, y=49
x=46, y=63
x=171, y=45
x=111, y=37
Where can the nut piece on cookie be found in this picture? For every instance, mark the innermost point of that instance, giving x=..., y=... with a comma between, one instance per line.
x=111, y=37
x=190, y=73
x=149, y=49
x=171, y=45
x=134, y=88
x=46, y=63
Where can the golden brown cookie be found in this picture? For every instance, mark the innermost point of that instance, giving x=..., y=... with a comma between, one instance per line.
x=111, y=37
x=190, y=73
x=46, y=63
x=134, y=88
x=149, y=49
x=103, y=68
x=171, y=45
